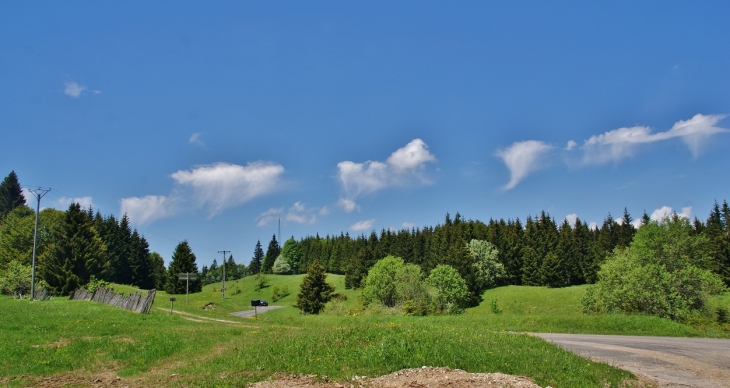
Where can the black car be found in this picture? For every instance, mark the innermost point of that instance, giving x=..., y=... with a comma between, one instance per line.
x=264, y=303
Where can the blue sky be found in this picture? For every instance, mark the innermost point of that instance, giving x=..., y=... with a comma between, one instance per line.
x=209, y=121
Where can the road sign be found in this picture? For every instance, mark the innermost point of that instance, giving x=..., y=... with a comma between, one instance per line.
x=187, y=277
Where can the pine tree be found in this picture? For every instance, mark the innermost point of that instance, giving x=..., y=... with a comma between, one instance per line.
x=159, y=274
x=139, y=262
x=626, y=230
x=258, y=256
x=183, y=261
x=314, y=291
x=272, y=252
x=11, y=194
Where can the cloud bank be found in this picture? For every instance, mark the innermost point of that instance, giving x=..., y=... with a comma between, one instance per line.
x=403, y=167
x=618, y=144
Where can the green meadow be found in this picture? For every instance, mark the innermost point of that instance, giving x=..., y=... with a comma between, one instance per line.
x=201, y=344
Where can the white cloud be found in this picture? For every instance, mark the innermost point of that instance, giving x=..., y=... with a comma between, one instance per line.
x=324, y=211
x=362, y=225
x=73, y=89
x=300, y=214
x=571, y=144
x=143, y=210
x=268, y=216
x=223, y=185
x=636, y=223
x=195, y=139
x=408, y=225
x=622, y=143
x=666, y=211
x=592, y=226
x=571, y=218
x=65, y=202
x=402, y=167
x=521, y=159
x=297, y=213
x=348, y=205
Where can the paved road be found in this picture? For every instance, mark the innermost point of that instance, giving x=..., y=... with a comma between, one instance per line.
x=251, y=313
x=670, y=362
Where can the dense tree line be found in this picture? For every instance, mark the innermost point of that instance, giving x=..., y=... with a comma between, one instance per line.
x=75, y=246
x=539, y=252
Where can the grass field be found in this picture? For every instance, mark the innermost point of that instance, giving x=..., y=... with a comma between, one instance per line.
x=52, y=340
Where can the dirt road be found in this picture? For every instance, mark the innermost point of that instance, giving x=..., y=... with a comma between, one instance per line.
x=670, y=362
x=251, y=313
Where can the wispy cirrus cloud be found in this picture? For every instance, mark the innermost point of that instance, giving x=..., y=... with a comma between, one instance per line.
x=362, y=225
x=404, y=166
x=618, y=144
x=76, y=90
x=214, y=187
x=521, y=159
x=195, y=139
x=223, y=185
x=297, y=213
x=144, y=210
x=348, y=205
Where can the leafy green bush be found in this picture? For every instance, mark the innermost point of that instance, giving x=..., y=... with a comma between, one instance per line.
x=95, y=283
x=278, y=293
x=261, y=281
x=16, y=278
x=488, y=268
x=281, y=266
x=451, y=293
x=657, y=275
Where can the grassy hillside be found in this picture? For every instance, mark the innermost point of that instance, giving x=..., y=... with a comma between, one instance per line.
x=77, y=342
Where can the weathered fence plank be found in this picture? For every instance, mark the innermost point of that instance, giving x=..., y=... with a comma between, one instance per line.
x=134, y=302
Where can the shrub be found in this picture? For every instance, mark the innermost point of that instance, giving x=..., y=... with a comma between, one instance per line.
x=451, y=293
x=281, y=266
x=95, y=283
x=261, y=281
x=279, y=293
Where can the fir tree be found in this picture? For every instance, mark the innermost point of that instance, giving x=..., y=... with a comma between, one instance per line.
x=314, y=291
x=159, y=274
x=183, y=261
x=11, y=194
x=258, y=256
x=272, y=252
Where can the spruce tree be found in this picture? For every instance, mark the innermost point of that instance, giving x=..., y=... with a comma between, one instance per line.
x=139, y=262
x=79, y=253
x=183, y=261
x=258, y=256
x=272, y=252
x=11, y=194
x=314, y=291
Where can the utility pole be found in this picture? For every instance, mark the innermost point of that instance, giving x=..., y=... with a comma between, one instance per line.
x=38, y=193
x=223, y=286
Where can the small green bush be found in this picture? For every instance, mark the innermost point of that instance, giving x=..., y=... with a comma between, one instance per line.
x=721, y=315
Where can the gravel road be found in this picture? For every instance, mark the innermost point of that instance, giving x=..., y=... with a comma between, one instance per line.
x=251, y=313
x=670, y=362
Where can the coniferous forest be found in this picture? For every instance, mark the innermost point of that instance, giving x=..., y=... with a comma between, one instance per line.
x=78, y=246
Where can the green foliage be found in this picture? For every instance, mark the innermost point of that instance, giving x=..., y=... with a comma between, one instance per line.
x=495, y=306
x=721, y=315
x=278, y=293
x=95, y=283
x=450, y=291
x=79, y=253
x=281, y=266
x=489, y=269
x=11, y=194
x=16, y=236
x=258, y=256
x=183, y=261
x=380, y=283
x=272, y=252
x=658, y=274
x=261, y=281
x=314, y=292
x=16, y=278
x=291, y=254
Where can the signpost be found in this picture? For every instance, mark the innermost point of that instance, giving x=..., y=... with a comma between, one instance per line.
x=187, y=277
x=172, y=301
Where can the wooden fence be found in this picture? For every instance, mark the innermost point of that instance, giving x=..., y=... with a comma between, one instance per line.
x=134, y=302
